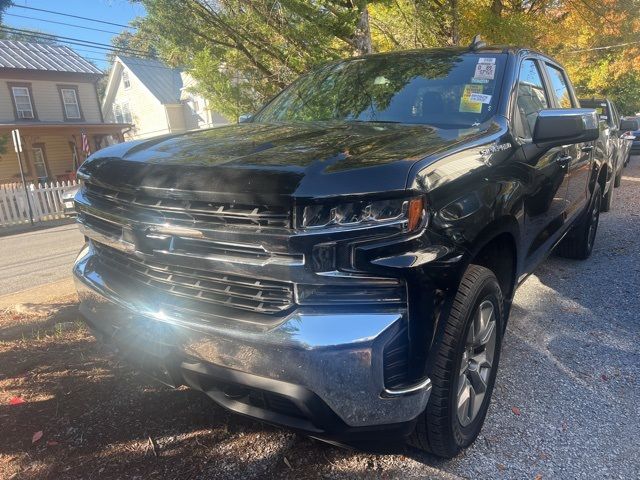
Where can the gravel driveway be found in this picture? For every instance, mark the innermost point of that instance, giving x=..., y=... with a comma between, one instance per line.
x=566, y=404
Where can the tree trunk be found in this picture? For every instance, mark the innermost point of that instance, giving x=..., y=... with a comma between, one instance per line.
x=362, y=37
x=455, y=22
x=496, y=7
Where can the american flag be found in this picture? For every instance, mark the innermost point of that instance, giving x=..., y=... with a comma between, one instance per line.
x=85, y=144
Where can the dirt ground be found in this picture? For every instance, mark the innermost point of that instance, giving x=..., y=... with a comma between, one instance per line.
x=87, y=415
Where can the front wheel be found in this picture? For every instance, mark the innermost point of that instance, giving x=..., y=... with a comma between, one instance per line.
x=578, y=243
x=464, y=367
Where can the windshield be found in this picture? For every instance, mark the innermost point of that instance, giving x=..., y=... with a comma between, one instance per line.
x=443, y=89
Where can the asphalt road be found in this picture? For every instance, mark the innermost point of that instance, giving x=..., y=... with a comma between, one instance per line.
x=37, y=257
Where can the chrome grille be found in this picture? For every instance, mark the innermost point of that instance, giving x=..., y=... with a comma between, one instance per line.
x=176, y=211
x=203, y=288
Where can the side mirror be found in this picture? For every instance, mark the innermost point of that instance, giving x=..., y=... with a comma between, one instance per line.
x=556, y=127
x=629, y=125
x=245, y=117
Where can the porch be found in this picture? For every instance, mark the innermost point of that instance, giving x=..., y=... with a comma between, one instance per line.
x=53, y=151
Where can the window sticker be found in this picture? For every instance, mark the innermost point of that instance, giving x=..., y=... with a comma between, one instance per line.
x=486, y=60
x=485, y=71
x=480, y=97
x=466, y=103
x=479, y=80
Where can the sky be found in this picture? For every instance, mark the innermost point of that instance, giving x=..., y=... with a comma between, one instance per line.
x=115, y=11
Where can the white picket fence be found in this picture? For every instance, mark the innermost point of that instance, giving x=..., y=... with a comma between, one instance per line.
x=46, y=202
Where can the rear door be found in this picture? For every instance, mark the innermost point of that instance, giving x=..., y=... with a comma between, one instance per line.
x=578, y=156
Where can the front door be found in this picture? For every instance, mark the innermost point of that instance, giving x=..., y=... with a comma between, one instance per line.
x=545, y=201
x=40, y=164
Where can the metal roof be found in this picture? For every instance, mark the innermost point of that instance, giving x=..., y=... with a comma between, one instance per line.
x=43, y=57
x=163, y=82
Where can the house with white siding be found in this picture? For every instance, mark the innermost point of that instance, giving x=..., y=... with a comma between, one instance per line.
x=48, y=92
x=154, y=99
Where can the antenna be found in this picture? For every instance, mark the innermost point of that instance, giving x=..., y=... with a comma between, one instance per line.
x=477, y=43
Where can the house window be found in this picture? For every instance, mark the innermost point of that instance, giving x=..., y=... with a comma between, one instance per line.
x=22, y=101
x=122, y=113
x=126, y=113
x=125, y=80
x=40, y=164
x=70, y=103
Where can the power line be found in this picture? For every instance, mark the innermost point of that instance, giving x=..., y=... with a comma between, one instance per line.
x=61, y=23
x=70, y=40
x=73, y=16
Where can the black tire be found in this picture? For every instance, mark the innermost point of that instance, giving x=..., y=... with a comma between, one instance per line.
x=607, y=200
x=578, y=244
x=439, y=429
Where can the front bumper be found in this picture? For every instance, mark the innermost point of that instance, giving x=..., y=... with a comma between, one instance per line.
x=317, y=371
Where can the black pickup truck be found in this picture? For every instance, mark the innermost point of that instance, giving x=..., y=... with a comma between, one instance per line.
x=344, y=262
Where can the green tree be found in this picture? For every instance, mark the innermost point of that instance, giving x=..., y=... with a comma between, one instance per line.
x=4, y=4
x=243, y=52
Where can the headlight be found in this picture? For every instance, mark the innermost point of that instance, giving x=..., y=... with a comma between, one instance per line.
x=360, y=213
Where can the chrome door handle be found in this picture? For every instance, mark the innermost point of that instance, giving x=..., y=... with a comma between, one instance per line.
x=587, y=148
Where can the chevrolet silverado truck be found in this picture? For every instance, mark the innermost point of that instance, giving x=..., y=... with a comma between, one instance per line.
x=614, y=141
x=343, y=263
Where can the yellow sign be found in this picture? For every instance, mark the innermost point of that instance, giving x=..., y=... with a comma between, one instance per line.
x=466, y=104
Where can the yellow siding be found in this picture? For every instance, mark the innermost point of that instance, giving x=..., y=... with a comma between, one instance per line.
x=46, y=99
x=58, y=154
x=9, y=170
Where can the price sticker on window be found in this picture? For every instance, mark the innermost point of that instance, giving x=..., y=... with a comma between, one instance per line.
x=485, y=71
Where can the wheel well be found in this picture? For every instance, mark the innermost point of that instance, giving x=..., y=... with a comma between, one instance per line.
x=499, y=256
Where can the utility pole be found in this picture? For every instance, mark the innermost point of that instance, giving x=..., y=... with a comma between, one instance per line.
x=17, y=145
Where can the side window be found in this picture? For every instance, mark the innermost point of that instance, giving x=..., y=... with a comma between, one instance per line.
x=531, y=98
x=560, y=88
x=615, y=121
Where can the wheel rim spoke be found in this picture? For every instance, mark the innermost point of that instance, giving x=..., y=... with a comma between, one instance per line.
x=477, y=362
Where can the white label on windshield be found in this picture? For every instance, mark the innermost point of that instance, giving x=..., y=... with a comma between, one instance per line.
x=480, y=98
x=485, y=70
x=479, y=80
x=486, y=60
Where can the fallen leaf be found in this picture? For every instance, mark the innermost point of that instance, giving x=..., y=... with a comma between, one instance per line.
x=501, y=467
x=604, y=377
x=16, y=401
x=36, y=436
x=515, y=410
x=52, y=443
x=288, y=464
x=538, y=477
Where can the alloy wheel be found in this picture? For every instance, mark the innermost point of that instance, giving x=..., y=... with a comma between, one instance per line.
x=477, y=362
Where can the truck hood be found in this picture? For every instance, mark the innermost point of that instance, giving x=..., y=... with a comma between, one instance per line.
x=308, y=160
